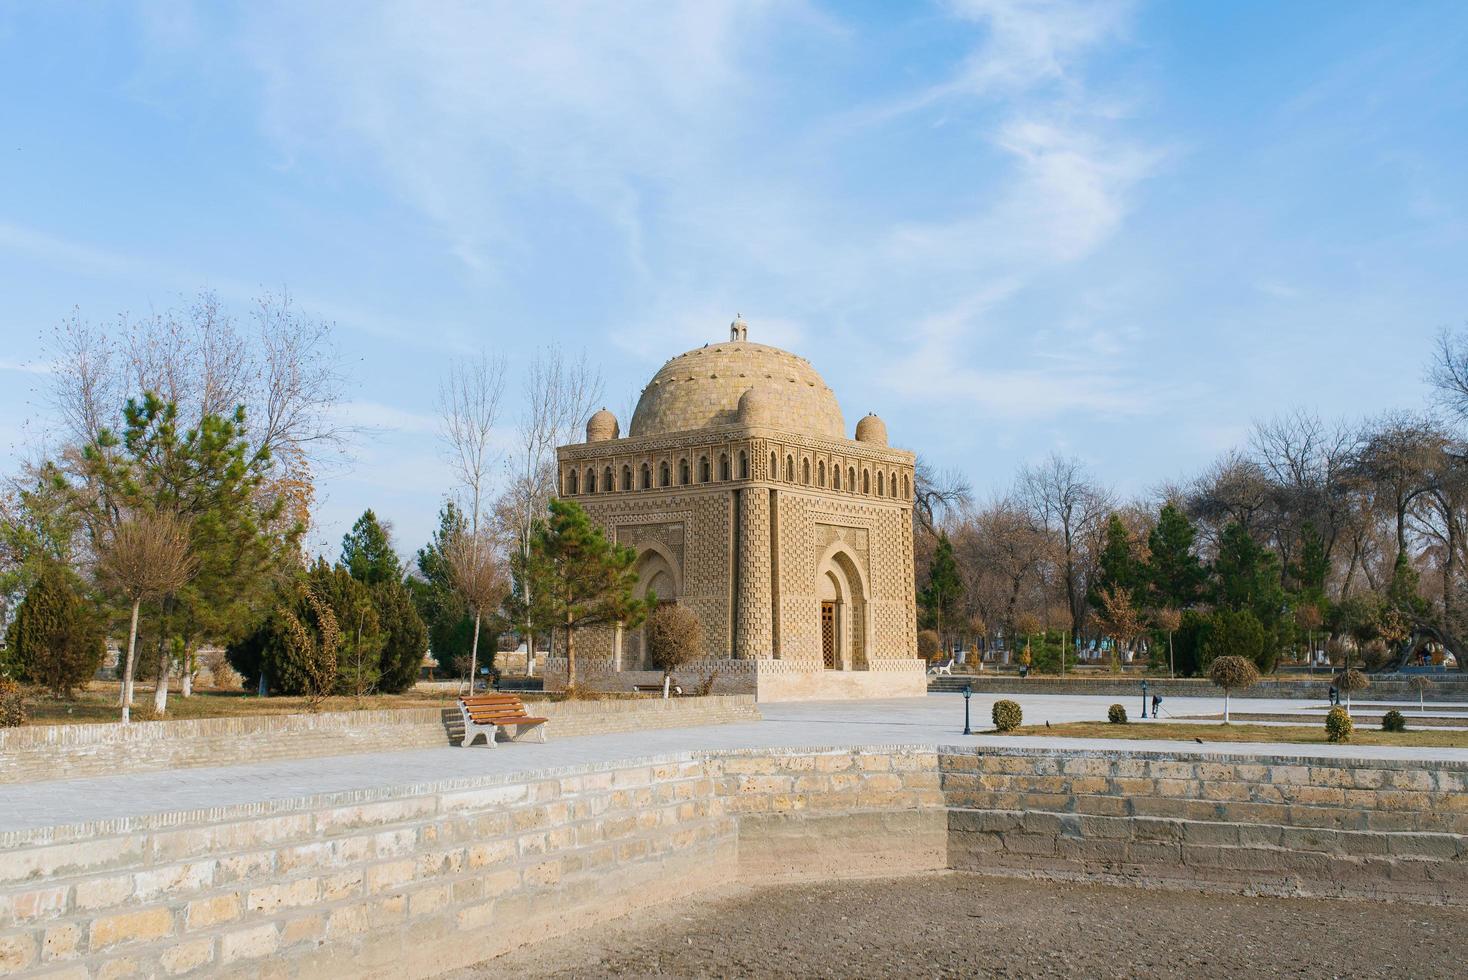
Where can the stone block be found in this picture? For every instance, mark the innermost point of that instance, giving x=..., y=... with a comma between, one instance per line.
x=184, y=957
x=61, y=941
x=248, y=944
x=392, y=874
x=205, y=913
x=34, y=904
x=285, y=895
x=119, y=929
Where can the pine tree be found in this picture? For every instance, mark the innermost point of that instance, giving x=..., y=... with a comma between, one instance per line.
x=211, y=479
x=578, y=577
x=368, y=554
x=945, y=586
x=1173, y=572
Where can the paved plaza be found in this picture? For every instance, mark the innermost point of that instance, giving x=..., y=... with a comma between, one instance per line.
x=933, y=720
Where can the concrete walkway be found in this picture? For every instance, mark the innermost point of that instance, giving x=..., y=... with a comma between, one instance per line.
x=934, y=720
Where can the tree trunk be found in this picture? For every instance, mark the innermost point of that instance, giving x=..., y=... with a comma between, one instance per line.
x=1171, y=663
x=127, y=669
x=160, y=690
x=570, y=656
x=474, y=654
x=186, y=682
x=1225, y=706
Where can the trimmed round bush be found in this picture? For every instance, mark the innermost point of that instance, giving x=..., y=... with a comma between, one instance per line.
x=1338, y=725
x=12, y=704
x=1394, y=721
x=1116, y=714
x=1007, y=715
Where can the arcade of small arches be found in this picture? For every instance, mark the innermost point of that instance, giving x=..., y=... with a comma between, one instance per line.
x=684, y=471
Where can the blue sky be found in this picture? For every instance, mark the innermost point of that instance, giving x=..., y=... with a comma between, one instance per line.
x=1117, y=230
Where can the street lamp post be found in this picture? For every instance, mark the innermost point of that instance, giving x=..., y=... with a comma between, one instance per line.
x=1144, y=699
x=968, y=692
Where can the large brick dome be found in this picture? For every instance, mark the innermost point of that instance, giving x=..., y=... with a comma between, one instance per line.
x=702, y=388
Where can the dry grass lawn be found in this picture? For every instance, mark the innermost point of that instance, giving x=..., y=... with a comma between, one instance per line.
x=1303, y=734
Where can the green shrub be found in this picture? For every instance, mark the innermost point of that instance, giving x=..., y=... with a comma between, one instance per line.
x=56, y=640
x=1116, y=714
x=12, y=704
x=1007, y=715
x=1338, y=725
x=1393, y=721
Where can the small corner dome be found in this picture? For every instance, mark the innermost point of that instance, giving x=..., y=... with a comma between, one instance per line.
x=602, y=427
x=871, y=429
x=758, y=406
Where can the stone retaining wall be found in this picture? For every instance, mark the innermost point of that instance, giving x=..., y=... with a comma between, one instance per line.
x=1452, y=687
x=1259, y=825
x=40, y=752
x=415, y=881
x=410, y=881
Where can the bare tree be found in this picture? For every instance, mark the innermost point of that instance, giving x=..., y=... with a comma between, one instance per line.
x=1397, y=454
x=560, y=394
x=144, y=557
x=283, y=372
x=1448, y=372
x=1062, y=499
x=479, y=576
x=936, y=494
x=469, y=404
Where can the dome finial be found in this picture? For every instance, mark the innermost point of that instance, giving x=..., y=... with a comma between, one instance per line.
x=738, y=330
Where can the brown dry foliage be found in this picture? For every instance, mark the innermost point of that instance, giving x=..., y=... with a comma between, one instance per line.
x=147, y=555
x=674, y=637
x=1232, y=673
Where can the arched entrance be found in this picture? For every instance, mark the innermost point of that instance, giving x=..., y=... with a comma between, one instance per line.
x=656, y=575
x=842, y=601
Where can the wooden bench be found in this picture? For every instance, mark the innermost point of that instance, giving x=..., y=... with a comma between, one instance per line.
x=487, y=713
x=656, y=689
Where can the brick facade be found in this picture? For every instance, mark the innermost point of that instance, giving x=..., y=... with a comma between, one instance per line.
x=739, y=490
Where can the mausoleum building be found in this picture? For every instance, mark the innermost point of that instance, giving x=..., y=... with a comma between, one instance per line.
x=747, y=503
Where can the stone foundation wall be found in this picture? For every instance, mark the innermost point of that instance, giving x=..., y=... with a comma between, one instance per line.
x=40, y=752
x=415, y=880
x=1451, y=687
x=767, y=679
x=1258, y=825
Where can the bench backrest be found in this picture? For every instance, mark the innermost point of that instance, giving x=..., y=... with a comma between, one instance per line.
x=493, y=707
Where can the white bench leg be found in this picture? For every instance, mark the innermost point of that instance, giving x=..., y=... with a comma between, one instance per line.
x=538, y=729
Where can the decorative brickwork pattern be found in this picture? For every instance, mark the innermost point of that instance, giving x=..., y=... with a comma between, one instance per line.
x=694, y=482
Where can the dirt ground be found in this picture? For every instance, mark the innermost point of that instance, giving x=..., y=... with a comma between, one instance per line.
x=956, y=925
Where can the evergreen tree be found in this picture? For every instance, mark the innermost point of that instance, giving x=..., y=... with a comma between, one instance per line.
x=578, y=578
x=212, y=480
x=443, y=611
x=405, y=638
x=1246, y=577
x=359, y=649
x=1173, y=572
x=1240, y=634
x=368, y=554
x=1311, y=567
x=1117, y=568
x=55, y=639
x=945, y=587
